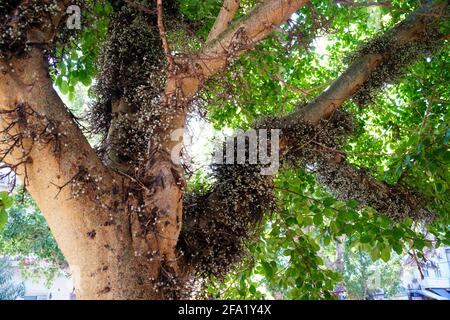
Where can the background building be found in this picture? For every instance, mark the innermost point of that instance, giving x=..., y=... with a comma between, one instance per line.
x=435, y=283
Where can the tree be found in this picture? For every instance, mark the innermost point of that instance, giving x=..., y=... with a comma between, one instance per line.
x=26, y=238
x=122, y=214
x=362, y=276
x=8, y=289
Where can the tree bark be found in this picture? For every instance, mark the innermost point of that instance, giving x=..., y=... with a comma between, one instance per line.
x=226, y=14
x=80, y=198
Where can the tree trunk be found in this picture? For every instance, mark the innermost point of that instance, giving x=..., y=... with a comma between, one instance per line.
x=91, y=211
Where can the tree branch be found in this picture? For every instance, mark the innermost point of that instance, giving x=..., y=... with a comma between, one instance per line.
x=364, y=4
x=162, y=33
x=238, y=38
x=241, y=36
x=341, y=178
x=303, y=128
x=226, y=14
x=351, y=81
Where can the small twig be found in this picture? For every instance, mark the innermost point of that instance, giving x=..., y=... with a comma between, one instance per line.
x=364, y=4
x=302, y=195
x=290, y=87
x=140, y=7
x=80, y=173
x=140, y=183
x=162, y=33
x=328, y=149
x=413, y=254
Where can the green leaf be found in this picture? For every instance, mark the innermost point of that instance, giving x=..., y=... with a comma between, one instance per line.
x=385, y=254
x=328, y=201
x=328, y=212
x=375, y=254
x=291, y=221
x=3, y=218
x=5, y=200
x=58, y=81
x=397, y=248
x=398, y=233
x=299, y=282
x=318, y=219
x=64, y=87
x=366, y=238
x=353, y=203
x=307, y=221
x=419, y=244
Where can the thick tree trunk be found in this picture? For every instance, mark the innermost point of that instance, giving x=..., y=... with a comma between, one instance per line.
x=86, y=206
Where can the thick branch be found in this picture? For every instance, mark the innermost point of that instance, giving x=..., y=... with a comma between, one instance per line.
x=194, y=70
x=351, y=81
x=224, y=18
x=62, y=172
x=342, y=179
x=238, y=38
x=347, y=182
x=364, y=4
x=162, y=33
x=307, y=139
